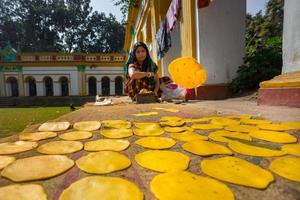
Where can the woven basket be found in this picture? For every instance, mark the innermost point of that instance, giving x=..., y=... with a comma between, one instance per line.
x=146, y=98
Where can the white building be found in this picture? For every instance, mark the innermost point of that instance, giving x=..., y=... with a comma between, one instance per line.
x=60, y=74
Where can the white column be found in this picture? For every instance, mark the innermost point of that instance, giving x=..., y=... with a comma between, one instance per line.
x=26, y=89
x=8, y=89
x=56, y=89
x=112, y=87
x=99, y=88
x=40, y=88
x=2, y=89
x=221, y=39
x=291, y=36
x=21, y=84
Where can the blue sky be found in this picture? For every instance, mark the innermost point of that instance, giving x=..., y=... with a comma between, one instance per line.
x=107, y=6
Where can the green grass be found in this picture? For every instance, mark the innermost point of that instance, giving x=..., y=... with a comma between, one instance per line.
x=14, y=120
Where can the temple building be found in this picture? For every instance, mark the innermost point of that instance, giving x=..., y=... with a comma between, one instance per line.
x=60, y=74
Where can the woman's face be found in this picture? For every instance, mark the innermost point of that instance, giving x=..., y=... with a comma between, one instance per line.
x=140, y=54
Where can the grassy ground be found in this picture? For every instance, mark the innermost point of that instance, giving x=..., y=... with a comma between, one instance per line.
x=14, y=120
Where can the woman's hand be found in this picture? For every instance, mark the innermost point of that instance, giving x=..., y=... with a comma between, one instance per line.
x=150, y=74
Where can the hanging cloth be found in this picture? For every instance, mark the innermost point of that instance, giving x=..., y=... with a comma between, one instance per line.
x=163, y=39
x=173, y=14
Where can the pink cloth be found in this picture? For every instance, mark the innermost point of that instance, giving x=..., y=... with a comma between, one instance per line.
x=173, y=14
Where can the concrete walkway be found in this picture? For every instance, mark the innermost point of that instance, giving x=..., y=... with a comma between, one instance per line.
x=281, y=189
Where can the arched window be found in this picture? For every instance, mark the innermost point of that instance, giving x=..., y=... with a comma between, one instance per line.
x=119, y=85
x=13, y=87
x=105, y=83
x=64, y=86
x=48, y=82
x=31, y=86
x=92, y=86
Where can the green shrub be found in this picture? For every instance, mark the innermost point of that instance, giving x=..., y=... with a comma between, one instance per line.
x=263, y=61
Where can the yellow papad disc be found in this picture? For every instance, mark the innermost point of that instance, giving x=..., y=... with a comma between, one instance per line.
x=251, y=150
x=255, y=121
x=206, y=126
x=222, y=121
x=117, y=124
x=203, y=119
x=103, y=162
x=60, y=147
x=37, y=168
x=156, y=142
x=54, y=126
x=145, y=114
x=274, y=127
x=239, y=117
x=187, y=72
x=241, y=128
x=226, y=136
x=76, y=135
x=16, y=147
x=37, y=136
x=172, y=123
x=205, y=148
x=178, y=129
x=146, y=125
x=188, y=136
x=273, y=136
x=292, y=125
x=148, y=132
x=162, y=160
x=87, y=126
x=116, y=133
x=170, y=118
x=237, y=171
x=183, y=185
x=6, y=160
x=293, y=149
x=167, y=109
x=286, y=167
x=104, y=188
x=106, y=145
x=23, y=192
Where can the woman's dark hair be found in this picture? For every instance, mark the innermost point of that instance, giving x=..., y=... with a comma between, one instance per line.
x=148, y=64
x=136, y=46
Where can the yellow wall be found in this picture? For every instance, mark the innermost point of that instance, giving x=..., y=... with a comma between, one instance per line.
x=154, y=12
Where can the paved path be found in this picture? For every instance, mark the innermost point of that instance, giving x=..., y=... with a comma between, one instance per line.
x=282, y=189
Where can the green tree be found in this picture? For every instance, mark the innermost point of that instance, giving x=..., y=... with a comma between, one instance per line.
x=58, y=25
x=126, y=5
x=263, y=56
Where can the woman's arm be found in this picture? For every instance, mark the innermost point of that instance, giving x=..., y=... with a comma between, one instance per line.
x=139, y=75
x=133, y=74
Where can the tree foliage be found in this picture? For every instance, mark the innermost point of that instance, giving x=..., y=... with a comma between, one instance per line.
x=58, y=25
x=126, y=5
x=263, y=56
